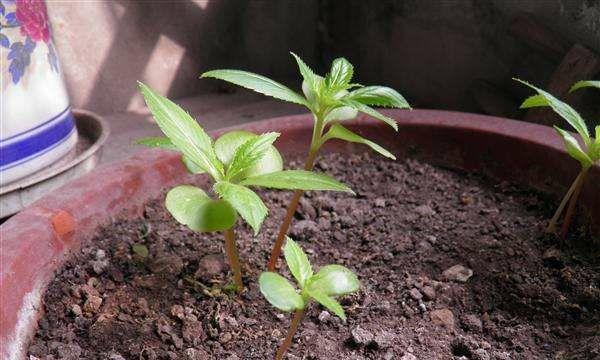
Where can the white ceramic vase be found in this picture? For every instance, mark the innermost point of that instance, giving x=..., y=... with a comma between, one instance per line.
x=36, y=125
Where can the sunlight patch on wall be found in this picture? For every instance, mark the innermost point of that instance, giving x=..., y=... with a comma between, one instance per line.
x=161, y=69
x=202, y=4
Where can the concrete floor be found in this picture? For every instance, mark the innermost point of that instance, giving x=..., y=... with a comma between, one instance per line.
x=213, y=111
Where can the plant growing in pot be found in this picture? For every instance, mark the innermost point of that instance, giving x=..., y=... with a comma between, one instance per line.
x=587, y=155
x=236, y=160
x=331, y=99
x=329, y=282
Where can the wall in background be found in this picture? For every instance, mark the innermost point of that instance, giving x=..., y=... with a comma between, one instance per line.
x=106, y=46
x=433, y=51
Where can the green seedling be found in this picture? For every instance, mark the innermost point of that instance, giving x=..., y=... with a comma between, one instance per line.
x=331, y=99
x=587, y=155
x=235, y=161
x=329, y=282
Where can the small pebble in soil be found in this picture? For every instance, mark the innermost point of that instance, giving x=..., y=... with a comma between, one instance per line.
x=442, y=317
x=415, y=294
x=457, y=273
x=76, y=310
x=428, y=293
x=424, y=210
x=379, y=202
x=472, y=323
x=210, y=266
x=361, y=336
x=92, y=304
x=196, y=354
x=408, y=356
x=324, y=316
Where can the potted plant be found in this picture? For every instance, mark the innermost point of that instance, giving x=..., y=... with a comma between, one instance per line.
x=450, y=263
x=331, y=100
x=235, y=161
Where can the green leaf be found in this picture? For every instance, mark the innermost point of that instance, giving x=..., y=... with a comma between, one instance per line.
x=140, y=250
x=296, y=180
x=307, y=73
x=341, y=113
x=191, y=166
x=191, y=206
x=157, y=142
x=371, y=112
x=313, y=92
x=534, y=101
x=334, y=280
x=337, y=131
x=227, y=144
x=165, y=143
x=250, y=153
x=561, y=108
x=297, y=262
x=245, y=202
x=574, y=149
x=183, y=131
x=340, y=74
x=379, y=96
x=328, y=302
x=279, y=292
x=257, y=83
x=584, y=84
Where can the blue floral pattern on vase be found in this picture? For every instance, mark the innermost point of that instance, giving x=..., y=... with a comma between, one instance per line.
x=30, y=16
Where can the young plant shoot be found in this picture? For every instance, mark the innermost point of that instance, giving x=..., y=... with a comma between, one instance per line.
x=329, y=282
x=587, y=155
x=235, y=161
x=331, y=99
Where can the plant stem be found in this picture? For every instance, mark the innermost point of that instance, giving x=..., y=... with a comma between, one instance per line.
x=234, y=261
x=552, y=225
x=290, y=335
x=573, y=203
x=315, y=145
x=289, y=215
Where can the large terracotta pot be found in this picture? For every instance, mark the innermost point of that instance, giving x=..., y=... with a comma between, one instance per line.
x=35, y=241
x=36, y=127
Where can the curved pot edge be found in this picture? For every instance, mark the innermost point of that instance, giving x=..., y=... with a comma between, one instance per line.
x=35, y=241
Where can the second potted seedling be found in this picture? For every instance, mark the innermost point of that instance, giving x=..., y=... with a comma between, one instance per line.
x=323, y=286
x=588, y=155
x=331, y=99
x=235, y=161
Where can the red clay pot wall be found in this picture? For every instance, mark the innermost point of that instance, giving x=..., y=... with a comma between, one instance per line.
x=36, y=241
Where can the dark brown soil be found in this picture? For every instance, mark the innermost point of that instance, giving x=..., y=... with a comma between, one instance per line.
x=408, y=224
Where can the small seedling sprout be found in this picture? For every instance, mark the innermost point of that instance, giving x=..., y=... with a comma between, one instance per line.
x=236, y=160
x=587, y=155
x=331, y=99
x=329, y=282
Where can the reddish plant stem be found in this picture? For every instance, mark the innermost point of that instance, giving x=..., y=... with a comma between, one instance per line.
x=234, y=261
x=572, y=205
x=289, y=215
x=290, y=335
x=564, y=202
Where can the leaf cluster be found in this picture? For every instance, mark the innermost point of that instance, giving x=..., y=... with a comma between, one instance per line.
x=589, y=153
x=323, y=286
x=235, y=161
x=332, y=98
